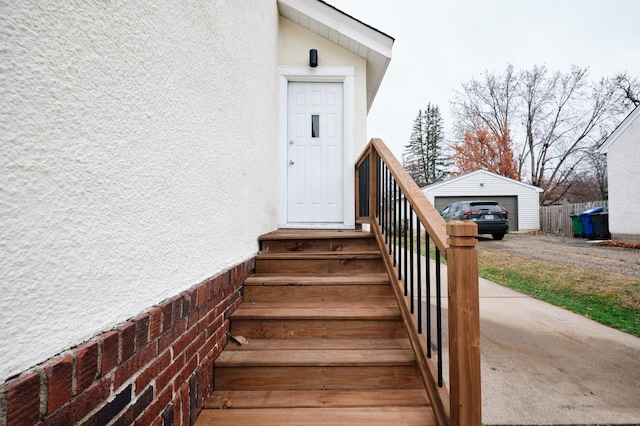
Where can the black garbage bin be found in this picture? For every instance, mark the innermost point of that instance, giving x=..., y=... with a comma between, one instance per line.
x=600, y=225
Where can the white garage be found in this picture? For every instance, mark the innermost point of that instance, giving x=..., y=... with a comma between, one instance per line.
x=520, y=199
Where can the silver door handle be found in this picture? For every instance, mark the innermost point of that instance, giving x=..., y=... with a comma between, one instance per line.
x=291, y=162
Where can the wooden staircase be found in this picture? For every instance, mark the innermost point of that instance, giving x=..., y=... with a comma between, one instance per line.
x=326, y=342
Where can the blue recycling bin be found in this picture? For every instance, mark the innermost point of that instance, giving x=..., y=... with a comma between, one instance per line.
x=587, y=221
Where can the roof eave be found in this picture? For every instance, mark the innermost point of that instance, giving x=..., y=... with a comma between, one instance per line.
x=613, y=137
x=340, y=28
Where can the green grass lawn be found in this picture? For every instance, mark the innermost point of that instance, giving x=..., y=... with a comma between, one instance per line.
x=608, y=298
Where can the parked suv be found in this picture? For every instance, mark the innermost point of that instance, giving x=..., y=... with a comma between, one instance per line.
x=490, y=216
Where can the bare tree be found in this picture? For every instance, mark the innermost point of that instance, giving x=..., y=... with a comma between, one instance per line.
x=629, y=88
x=556, y=119
x=486, y=103
x=565, y=119
x=598, y=172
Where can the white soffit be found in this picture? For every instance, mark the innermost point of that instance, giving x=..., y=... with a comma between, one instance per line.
x=346, y=31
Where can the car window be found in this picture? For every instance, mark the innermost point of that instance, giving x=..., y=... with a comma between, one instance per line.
x=492, y=207
x=446, y=210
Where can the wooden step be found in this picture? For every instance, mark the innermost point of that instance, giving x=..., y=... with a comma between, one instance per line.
x=319, y=344
x=316, y=357
x=311, y=245
x=315, y=294
x=332, y=329
x=373, y=310
x=264, y=328
x=313, y=416
x=303, y=378
x=313, y=240
x=286, y=321
x=320, y=262
x=320, y=234
x=314, y=365
x=318, y=399
x=353, y=289
x=311, y=280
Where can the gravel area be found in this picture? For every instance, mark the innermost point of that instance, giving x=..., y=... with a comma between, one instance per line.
x=569, y=251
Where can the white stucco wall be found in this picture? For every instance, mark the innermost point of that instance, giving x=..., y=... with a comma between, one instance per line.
x=492, y=185
x=294, y=45
x=623, y=158
x=137, y=159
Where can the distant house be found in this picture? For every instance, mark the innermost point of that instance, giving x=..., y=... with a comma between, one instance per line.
x=145, y=148
x=520, y=199
x=622, y=149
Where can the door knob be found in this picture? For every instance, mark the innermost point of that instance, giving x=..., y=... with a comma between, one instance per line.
x=291, y=162
x=290, y=141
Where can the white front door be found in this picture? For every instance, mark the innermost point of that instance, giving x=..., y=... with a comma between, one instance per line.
x=315, y=153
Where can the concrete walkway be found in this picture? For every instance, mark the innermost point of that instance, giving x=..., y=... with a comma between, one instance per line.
x=544, y=365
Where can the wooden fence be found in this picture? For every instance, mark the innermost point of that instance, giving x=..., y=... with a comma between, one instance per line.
x=557, y=220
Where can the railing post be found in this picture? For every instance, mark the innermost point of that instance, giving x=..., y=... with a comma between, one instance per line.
x=464, y=324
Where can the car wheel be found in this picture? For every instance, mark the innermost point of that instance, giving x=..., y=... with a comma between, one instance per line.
x=498, y=236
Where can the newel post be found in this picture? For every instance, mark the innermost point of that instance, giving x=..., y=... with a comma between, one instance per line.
x=464, y=324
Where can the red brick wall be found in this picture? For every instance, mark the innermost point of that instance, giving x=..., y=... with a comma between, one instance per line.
x=154, y=369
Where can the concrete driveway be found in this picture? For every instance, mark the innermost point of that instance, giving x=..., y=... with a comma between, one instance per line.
x=544, y=365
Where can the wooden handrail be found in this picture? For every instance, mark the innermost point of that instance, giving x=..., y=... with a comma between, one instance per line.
x=426, y=212
x=456, y=241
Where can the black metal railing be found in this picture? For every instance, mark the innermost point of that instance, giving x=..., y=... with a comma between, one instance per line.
x=415, y=242
x=363, y=184
x=409, y=244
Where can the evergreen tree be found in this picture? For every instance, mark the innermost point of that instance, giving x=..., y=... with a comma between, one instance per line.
x=424, y=159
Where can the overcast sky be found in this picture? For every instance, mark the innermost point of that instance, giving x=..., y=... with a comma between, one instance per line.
x=439, y=44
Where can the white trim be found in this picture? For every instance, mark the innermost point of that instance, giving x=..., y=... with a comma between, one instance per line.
x=346, y=76
x=622, y=127
x=344, y=24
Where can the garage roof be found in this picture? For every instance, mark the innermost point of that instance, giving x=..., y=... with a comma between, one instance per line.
x=481, y=173
x=346, y=31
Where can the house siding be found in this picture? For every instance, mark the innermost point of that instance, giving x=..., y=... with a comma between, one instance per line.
x=138, y=159
x=623, y=158
x=493, y=185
